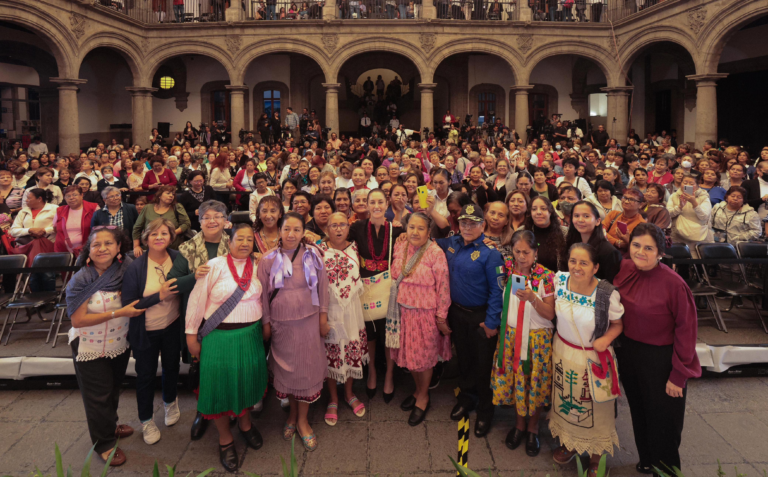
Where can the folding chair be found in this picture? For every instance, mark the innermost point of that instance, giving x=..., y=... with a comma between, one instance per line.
x=58, y=318
x=681, y=251
x=8, y=262
x=240, y=217
x=732, y=288
x=754, y=272
x=29, y=300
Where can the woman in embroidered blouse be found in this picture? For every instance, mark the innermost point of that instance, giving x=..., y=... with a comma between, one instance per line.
x=417, y=335
x=589, y=315
x=224, y=320
x=372, y=236
x=522, y=374
x=346, y=346
x=99, y=335
x=289, y=275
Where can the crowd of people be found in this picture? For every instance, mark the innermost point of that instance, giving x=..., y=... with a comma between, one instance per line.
x=535, y=266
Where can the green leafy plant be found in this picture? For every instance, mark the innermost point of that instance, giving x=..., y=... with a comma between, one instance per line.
x=172, y=471
x=291, y=470
x=601, y=467
x=465, y=472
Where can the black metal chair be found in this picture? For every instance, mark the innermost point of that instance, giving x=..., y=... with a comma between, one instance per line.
x=240, y=217
x=681, y=251
x=58, y=319
x=756, y=273
x=730, y=287
x=7, y=262
x=34, y=300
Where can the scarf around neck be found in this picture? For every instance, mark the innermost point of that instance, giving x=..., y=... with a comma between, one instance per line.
x=282, y=268
x=87, y=281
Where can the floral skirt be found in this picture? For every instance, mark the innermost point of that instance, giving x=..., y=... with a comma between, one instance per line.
x=580, y=423
x=527, y=393
x=421, y=343
x=347, y=358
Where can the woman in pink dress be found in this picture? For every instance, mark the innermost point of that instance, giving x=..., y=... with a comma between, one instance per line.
x=417, y=333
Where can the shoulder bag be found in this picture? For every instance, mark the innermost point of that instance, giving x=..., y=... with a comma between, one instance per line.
x=375, y=298
x=603, y=376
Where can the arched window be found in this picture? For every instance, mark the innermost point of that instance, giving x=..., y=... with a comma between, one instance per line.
x=271, y=102
x=486, y=107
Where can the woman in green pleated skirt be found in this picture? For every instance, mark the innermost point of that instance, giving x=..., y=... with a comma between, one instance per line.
x=243, y=374
x=224, y=310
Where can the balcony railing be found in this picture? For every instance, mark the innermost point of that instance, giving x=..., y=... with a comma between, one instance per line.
x=199, y=11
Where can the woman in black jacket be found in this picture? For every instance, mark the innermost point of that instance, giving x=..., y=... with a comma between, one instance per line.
x=108, y=215
x=586, y=227
x=197, y=193
x=262, y=125
x=190, y=133
x=276, y=125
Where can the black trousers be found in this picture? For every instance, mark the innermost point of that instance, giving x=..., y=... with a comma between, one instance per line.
x=99, y=382
x=475, y=356
x=657, y=418
x=164, y=344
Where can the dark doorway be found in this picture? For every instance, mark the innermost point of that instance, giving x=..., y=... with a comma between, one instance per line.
x=663, y=110
x=220, y=106
x=741, y=100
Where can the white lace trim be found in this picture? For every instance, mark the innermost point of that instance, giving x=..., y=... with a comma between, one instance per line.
x=584, y=445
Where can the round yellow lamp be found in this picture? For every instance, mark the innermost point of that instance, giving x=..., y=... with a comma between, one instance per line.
x=166, y=82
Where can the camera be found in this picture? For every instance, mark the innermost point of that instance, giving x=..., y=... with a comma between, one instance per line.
x=326, y=130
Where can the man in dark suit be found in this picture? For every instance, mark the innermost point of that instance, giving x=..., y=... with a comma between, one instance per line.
x=757, y=189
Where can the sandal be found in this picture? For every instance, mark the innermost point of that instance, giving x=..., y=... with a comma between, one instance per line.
x=359, y=409
x=288, y=431
x=562, y=455
x=332, y=419
x=310, y=442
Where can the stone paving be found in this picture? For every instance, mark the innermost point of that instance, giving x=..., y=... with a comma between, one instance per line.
x=727, y=419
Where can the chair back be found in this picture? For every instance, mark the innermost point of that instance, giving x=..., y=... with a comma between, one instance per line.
x=53, y=259
x=12, y=261
x=678, y=250
x=752, y=249
x=716, y=251
x=240, y=217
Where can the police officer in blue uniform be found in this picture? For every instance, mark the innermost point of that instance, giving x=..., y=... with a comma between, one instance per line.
x=477, y=275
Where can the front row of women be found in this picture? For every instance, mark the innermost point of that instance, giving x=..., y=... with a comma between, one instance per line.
x=305, y=300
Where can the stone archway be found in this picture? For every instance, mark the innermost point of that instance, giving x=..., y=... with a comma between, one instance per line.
x=205, y=102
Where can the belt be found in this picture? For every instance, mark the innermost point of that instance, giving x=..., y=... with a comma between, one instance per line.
x=471, y=309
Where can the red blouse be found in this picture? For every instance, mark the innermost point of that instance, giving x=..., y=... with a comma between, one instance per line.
x=166, y=178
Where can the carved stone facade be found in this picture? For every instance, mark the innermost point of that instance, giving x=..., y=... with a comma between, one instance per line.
x=71, y=29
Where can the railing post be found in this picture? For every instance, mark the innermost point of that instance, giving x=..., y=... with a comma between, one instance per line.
x=428, y=10
x=329, y=10
x=525, y=14
x=235, y=12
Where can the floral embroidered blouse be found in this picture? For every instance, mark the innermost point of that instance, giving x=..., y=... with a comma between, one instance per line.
x=542, y=281
x=342, y=267
x=576, y=311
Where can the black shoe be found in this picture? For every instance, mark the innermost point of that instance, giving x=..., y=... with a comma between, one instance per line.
x=461, y=409
x=228, y=457
x=388, y=396
x=252, y=438
x=370, y=392
x=199, y=425
x=418, y=415
x=643, y=469
x=514, y=438
x=482, y=426
x=532, y=445
x=408, y=404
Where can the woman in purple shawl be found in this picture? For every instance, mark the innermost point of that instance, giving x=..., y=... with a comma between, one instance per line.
x=295, y=314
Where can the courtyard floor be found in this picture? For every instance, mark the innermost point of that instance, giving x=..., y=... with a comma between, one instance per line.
x=726, y=420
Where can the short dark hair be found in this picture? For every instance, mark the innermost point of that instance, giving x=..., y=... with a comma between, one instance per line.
x=572, y=161
x=317, y=200
x=652, y=230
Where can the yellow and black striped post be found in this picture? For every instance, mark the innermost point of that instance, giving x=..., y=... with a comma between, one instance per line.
x=463, y=442
x=461, y=459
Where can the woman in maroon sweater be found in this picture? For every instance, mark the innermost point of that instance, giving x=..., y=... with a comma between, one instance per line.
x=658, y=349
x=158, y=176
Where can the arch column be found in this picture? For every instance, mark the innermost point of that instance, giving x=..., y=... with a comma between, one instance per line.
x=427, y=105
x=332, y=106
x=521, y=109
x=618, y=112
x=237, y=111
x=69, y=120
x=141, y=102
x=706, y=106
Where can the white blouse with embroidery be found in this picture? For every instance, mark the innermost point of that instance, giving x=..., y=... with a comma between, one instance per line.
x=105, y=340
x=578, y=311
